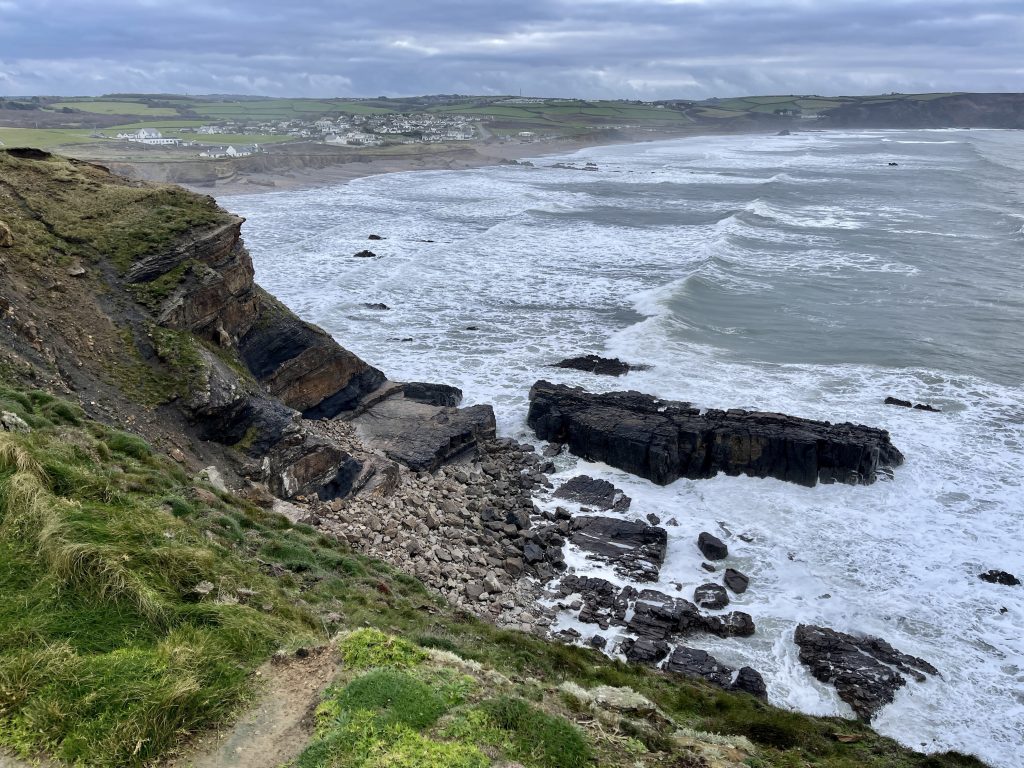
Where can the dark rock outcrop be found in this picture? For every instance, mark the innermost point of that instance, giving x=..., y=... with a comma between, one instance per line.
x=365, y=254
x=601, y=365
x=908, y=404
x=664, y=440
x=712, y=547
x=999, y=577
x=711, y=596
x=897, y=401
x=694, y=662
x=589, y=492
x=736, y=580
x=749, y=680
x=303, y=365
x=443, y=395
x=865, y=671
x=633, y=549
x=644, y=650
x=658, y=616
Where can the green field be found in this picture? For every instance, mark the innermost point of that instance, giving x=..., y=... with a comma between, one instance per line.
x=43, y=138
x=116, y=108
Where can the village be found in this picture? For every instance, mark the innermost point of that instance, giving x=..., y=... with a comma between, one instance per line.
x=346, y=130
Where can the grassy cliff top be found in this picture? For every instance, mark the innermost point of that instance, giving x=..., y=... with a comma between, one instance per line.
x=59, y=209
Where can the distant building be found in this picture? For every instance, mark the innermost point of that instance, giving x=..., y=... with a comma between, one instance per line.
x=148, y=136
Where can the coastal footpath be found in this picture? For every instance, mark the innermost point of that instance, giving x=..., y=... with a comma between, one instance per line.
x=209, y=508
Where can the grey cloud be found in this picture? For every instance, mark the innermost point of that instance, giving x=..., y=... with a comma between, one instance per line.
x=591, y=48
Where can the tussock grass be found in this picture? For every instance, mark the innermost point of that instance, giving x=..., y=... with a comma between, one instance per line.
x=107, y=655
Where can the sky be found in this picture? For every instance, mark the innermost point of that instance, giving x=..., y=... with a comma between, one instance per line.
x=633, y=49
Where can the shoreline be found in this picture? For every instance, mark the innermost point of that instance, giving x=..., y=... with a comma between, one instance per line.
x=339, y=169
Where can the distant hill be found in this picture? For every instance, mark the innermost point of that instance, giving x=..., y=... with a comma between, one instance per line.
x=958, y=110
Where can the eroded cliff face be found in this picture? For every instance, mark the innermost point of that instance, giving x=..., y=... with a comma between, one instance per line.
x=140, y=300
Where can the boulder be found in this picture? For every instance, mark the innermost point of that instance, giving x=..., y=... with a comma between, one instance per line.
x=693, y=662
x=594, y=493
x=423, y=436
x=375, y=237
x=365, y=254
x=927, y=407
x=633, y=549
x=749, y=680
x=12, y=422
x=712, y=547
x=378, y=306
x=6, y=236
x=644, y=651
x=432, y=394
x=600, y=365
x=995, y=577
x=865, y=671
x=711, y=596
x=733, y=624
x=736, y=581
x=665, y=440
x=657, y=616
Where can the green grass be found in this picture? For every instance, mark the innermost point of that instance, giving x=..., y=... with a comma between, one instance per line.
x=44, y=138
x=98, y=216
x=115, y=108
x=537, y=738
x=108, y=655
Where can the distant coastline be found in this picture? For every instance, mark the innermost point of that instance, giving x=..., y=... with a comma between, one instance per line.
x=291, y=168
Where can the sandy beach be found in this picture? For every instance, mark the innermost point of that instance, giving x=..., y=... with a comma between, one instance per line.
x=306, y=165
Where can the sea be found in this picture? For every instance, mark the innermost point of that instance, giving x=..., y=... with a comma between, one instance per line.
x=812, y=274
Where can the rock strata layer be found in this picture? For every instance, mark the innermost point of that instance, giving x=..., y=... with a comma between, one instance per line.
x=865, y=671
x=634, y=549
x=589, y=492
x=664, y=440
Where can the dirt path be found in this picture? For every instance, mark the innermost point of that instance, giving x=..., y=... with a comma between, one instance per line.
x=278, y=727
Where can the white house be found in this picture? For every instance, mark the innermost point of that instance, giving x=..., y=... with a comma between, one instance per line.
x=148, y=136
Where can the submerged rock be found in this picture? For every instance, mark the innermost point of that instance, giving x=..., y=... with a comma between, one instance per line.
x=594, y=493
x=664, y=440
x=865, y=671
x=600, y=365
x=999, y=577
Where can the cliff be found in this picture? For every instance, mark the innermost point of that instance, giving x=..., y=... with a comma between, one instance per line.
x=139, y=301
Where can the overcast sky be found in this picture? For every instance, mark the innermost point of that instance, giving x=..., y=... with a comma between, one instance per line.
x=589, y=48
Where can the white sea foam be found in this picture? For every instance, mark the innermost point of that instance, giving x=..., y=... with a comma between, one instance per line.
x=793, y=274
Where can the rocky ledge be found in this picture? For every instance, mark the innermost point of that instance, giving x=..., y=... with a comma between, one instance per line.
x=663, y=440
x=865, y=671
